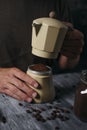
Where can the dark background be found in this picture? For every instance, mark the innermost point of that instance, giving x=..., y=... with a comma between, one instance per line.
x=79, y=15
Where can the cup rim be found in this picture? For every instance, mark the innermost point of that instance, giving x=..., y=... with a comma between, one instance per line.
x=40, y=72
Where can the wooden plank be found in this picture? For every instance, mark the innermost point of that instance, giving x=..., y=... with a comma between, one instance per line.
x=20, y=115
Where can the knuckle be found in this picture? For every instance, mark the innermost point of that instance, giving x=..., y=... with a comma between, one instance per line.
x=19, y=84
x=6, y=91
x=14, y=69
x=14, y=90
x=24, y=97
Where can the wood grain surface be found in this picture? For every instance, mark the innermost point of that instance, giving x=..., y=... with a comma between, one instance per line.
x=56, y=115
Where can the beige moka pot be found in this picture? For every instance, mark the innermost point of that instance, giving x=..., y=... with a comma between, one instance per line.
x=47, y=37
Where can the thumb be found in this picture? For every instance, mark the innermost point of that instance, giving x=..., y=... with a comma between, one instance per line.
x=52, y=14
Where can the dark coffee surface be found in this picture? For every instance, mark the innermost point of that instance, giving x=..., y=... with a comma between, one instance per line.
x=39, y=67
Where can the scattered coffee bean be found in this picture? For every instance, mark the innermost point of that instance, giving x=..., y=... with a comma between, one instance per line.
x=3, y=95
x=42, y=109
x=66, y=111
x=49, y=107
x=20, y=104
x=4, y=119
x=40, y=118
x=57, y=128
x=28, y=111
x=43, y=120
x=53, y=117
x=67, y=118
x=48, y=118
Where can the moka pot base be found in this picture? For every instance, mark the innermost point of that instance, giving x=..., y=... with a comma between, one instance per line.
x=44, y=54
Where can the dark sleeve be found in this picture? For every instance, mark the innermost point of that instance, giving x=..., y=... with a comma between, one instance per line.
x=63, y=10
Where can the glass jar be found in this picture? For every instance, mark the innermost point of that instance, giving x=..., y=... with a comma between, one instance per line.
x=80, y=104
x=43, y=75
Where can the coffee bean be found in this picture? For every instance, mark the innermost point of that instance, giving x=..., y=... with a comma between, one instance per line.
x=60, y=116
x=4, y=119
x=66, y=111
x=49, y=118
x=53, y=117
x=28, y=111
x=20, y=104
x=49, y=107
x=43, y=120
x=57, y=128
x=42, y=109
x=67, y=118
x=40, y=118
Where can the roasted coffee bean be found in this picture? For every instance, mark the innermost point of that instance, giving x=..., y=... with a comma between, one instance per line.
x=33, y=109
x=60, y=116
x=49, y=118
x=67, y=118
x=3, y=95
x=43, y=120
x=40, y=118
x=42, y=109
x=56, y=107
x=53, y=117
x=28, y=111
x=4, y=119
x=66, y=111
x=35, y=115
x=57, y=128
x=49, y=107
x=20, y=104
x=38, y=111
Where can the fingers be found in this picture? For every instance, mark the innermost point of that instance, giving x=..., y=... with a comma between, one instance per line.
x=73, y=35
x=21, y=85
x=70, y=49
x=24, y=77
x=14, y=92
x=68, y=63
x=73, y=44
x=15, y=86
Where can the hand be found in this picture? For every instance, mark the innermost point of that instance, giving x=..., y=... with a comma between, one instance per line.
x=13, y=82
x=72, y=48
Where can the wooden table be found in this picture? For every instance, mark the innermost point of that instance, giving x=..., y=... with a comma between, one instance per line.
x=18, y=115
